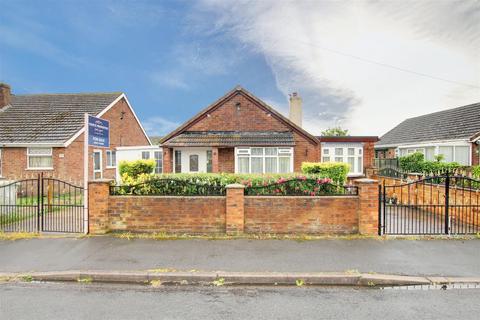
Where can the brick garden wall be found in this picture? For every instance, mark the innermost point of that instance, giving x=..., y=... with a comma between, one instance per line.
x=235, y=213
x=167, y=214
x=312, y=215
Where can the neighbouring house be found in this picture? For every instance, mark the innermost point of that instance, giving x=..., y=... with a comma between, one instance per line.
x=454, y=133
x=43, y=133
x=239, y=133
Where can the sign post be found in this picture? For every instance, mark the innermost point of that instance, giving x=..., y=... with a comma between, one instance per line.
x=97, y=134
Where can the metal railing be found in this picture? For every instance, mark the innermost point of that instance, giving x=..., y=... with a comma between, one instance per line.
x=168, y=187
x=42, y=204
x=440, y=204
x=302, y=187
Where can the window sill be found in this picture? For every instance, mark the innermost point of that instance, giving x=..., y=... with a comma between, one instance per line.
x=39, y=169
x=108, y=167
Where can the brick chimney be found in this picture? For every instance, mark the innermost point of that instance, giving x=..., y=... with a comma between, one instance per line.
x=5, y=95
x=296, y=113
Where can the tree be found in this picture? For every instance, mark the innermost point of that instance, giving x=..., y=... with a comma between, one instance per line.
x=335, y=132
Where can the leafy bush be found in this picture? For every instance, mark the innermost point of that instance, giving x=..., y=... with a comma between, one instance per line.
x=412, y=162
x=337, y=171
x=476, y=172
x=415, y=163
x=214, y=184
x=135, y=168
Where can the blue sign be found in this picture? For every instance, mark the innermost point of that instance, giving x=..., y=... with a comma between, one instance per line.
x=98, y=132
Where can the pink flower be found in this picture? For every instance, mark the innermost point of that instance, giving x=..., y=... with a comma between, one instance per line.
x=312, y=194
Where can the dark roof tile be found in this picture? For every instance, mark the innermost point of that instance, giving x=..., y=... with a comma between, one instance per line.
x=458, y=123
x=49, y=118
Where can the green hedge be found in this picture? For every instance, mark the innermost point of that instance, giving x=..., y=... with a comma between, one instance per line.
x=476, y=172
x=136, y=168
x=337, y=171
x=415, y=163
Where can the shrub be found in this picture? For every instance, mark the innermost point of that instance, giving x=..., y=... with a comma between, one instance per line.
x=336, y=171
x=135, y=168
x=412, y=162
x=214, y=184
x=415, y=163
x=476, y=172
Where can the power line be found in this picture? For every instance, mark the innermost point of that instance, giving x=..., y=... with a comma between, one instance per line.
x=387, y=65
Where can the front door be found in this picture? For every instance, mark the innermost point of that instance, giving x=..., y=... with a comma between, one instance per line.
x=97, y=164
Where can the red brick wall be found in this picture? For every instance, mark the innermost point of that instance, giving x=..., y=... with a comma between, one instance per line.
x=235, y=213
x=167, y=214
x=475, y=154
x=368, y=154
x=124, y=132
x=250, y=117
x=226, y=160
x=312, y=215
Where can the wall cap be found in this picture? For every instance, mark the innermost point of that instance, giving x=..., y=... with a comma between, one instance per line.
x=235, y=186
x=100, y=181
x=365, y=181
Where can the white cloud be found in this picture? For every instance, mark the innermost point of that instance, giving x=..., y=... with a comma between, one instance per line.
x=320, y=48
x=170, y=79
x=158, y=126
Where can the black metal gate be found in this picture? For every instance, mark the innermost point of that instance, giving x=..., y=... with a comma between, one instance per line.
x=42, y=204
x=441, y=204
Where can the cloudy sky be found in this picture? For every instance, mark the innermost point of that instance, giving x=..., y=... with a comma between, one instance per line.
x=362, y=65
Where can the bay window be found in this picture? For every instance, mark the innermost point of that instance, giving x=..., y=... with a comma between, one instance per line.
x=264, y=160
x=40, y=158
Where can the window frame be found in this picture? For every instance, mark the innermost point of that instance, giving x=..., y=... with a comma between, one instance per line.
x=344, y=156
x=110, y=163
x=146, y=152
x=101, y=164
x=281, y=152
x=38, y=156
x=158, y=161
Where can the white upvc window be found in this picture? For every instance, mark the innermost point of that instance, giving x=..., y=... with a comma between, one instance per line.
x=351, y=154
x=158, y=155
x=40, y=158
x=263, y=160
x=111, y=159
x=452, y=152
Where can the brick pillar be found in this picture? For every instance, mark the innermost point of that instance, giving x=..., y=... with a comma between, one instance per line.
x=371, y=173
x=368, y=206
x=235, y=215
x=215, y=168
x=98, y=194
x=167, y=160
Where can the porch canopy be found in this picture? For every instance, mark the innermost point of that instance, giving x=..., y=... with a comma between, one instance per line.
x=231, y=139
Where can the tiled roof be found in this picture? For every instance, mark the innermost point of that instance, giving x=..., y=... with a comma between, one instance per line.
x=231, y=139
x=458, y=123
x=49, y=118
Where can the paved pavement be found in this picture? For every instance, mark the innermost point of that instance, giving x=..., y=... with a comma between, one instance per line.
x=408, y=257
x=74, y=301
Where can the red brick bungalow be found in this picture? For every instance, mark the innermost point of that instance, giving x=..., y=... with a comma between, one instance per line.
x=239, y=133
x=44, y=133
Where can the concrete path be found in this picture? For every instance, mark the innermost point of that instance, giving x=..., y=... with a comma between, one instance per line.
x=404, y=257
